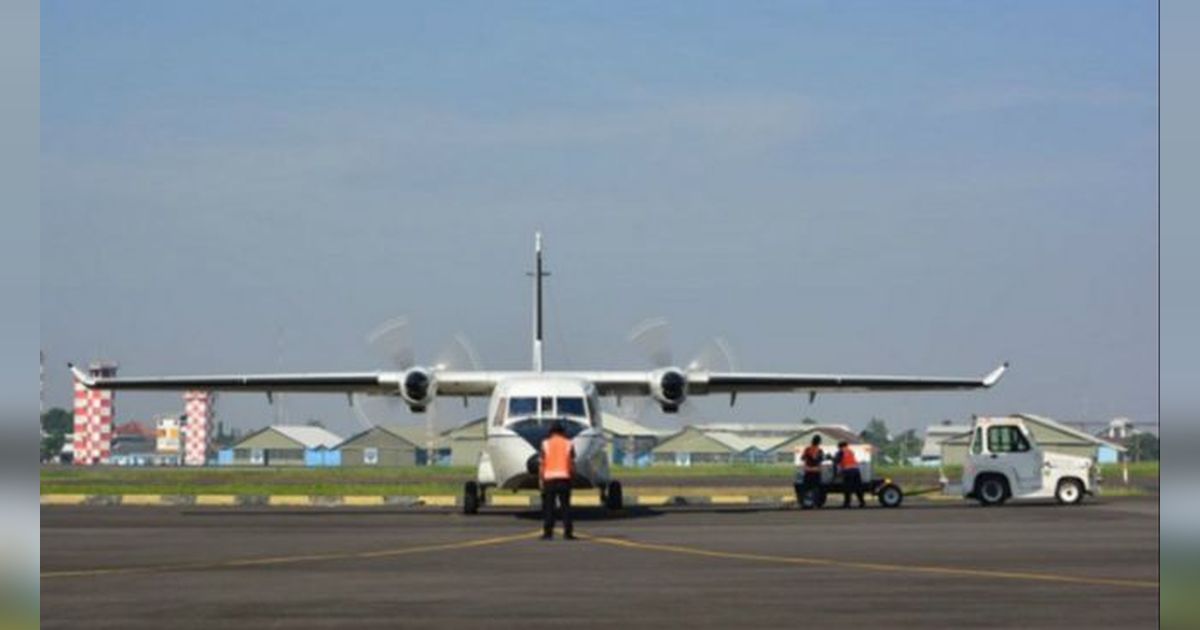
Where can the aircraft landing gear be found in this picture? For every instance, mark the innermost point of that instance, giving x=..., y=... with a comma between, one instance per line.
x=613, y=497
x=472, y=497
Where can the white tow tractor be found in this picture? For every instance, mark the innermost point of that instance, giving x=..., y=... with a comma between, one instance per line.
x=1005, y=462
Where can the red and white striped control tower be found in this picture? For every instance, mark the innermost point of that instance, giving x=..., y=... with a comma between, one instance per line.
x=94, y=418
x=198, y=410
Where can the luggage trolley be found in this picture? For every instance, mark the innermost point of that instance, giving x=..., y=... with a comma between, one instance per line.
x=887, y=492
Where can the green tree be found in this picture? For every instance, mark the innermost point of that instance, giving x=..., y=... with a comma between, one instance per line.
x=1143, y=447
x=903, y=446
x=876, y=434
x=56, y=424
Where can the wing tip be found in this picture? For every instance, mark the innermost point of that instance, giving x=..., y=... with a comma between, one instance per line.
x=80, y=377
x=995, y=375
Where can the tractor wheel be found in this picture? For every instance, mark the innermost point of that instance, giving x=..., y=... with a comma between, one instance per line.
x=991, y=490
x=1069, y=492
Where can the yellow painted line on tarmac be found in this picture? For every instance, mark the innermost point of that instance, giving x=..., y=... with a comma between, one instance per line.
x=873, y=566
x=216, y=499
x=651, y=499
x=516, y=500
x=276, y=560
x=63, y=499
x=141, y=499
x=362, y=500
x=729, y=499
x=289, y=500
x=439, y=500
x=587, y=500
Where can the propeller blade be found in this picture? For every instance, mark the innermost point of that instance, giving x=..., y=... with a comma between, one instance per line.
x=391, y=341
x=460, y=354
x=715, y=356
x=652, y=338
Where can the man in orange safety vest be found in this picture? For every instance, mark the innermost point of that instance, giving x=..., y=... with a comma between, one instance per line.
x=557, y=469
x=810, y=482
x=847, y=463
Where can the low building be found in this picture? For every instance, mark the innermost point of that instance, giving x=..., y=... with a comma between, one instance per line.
x=629, y=443
x=767, y=429
x=282, y=445
x=1049, y=434
x=935, y=434
x=787, y=451
x=135, y=444
x=466, y=442
x=393, y=446
x=693, y=445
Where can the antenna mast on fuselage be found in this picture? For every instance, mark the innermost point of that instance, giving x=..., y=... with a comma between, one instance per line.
x=537, y=274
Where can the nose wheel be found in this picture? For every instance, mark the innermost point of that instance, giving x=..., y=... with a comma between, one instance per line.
x=473, y=497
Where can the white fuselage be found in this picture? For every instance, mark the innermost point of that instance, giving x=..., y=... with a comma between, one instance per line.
x=520, y=413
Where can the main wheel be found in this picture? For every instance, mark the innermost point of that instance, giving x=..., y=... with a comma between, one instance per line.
x=471, y=497
x=1069, y=492
x=890, y=496
x=614, y=499
x=991, y=490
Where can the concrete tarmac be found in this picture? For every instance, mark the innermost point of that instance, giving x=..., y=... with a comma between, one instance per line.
x=926, y=564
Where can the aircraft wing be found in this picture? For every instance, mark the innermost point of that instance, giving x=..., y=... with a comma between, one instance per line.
x=731, y=382
x=314, y=382
x=700, y=383
x=449, y=383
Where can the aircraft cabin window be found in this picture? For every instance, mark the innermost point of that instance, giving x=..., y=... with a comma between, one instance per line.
x=522, y=406
x=572, y=406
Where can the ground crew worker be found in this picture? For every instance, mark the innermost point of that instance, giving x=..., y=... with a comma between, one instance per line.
x=810, y=459
x=847, y=463
x=557, y=469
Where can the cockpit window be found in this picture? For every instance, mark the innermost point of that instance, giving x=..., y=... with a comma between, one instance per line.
x=572, y=406
x=547, y=405
x=522, y=406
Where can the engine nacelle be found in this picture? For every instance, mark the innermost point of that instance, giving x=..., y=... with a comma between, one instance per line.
x=669, y=387
x=417, y=388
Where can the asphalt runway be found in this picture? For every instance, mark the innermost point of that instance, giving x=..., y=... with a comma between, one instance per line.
x=926, y=564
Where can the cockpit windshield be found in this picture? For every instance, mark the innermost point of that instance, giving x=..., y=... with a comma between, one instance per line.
x=522, y=406
x=572, y=406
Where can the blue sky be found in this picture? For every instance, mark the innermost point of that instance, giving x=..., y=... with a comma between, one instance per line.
x=864, y=187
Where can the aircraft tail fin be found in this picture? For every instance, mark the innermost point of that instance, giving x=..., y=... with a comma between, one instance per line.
x=537, y=274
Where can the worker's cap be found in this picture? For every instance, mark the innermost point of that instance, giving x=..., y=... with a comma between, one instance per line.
x=816, y=439
x=843, y=443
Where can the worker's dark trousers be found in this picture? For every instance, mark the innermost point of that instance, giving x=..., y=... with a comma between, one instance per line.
x=810, y=481
x=558, y=491
x=852, y=484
